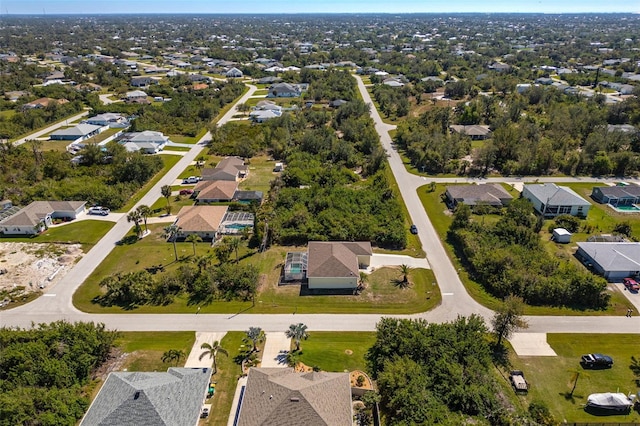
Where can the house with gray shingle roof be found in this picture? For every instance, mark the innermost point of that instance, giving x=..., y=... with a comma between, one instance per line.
x=474, y=131
x=229, y=168
x=77, y=133
x=614, y=261
x=616, y=195
x=148, y=141
x=174, y=398
x=490, y=194
x=551, y=200
x=336, y=264
x=39, y=215
x=283, y=397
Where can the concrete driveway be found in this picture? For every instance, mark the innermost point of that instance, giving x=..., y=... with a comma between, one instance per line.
x=382, y=260
x=193, y=360
x=276, y=348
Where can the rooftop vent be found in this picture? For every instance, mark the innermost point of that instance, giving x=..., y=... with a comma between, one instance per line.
x=136, y=395
x=295, y=399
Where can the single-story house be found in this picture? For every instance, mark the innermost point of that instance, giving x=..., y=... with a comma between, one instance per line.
x=147, y=142
x=143, y=81
x=135, y=96
x=80, y=132
x=624, y=128
x=490, y=194
x=267, y=106
x=336, y=264
x=474, y=131
x=284, y=397
x=174, y=398
x=269, y=80
x=56, y=75
x=110, y=119
x=14, y=95
x=551, y=200
x=393, y=82
x=337, y=103
x=229, y=168
x=616, y=195
x=203, y=221
x=614, y=261
x=234, y=73
x=545, y=81
x=260, y=116
x=214, y=191
x=43, y=103
x=39, y=215
x=284, y=90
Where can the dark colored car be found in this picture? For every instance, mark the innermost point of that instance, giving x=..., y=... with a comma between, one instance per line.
x=631, y=284
x=596, y=361
x=413, y=229
x=186, y=191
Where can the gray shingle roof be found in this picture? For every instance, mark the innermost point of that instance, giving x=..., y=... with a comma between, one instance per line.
x=554, y=195
x=630, y=191
x=614, y=256
x=490, y=193
x=32, y=214
x=282, y=397
x=79, y=130
x=335, y=258
x=150, y=399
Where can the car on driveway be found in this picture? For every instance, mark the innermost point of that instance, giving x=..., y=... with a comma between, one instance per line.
x=596, y=361
x=186, y=191
x=97, y=210
x=191, y=179
x=413, y=229
x=631, y=284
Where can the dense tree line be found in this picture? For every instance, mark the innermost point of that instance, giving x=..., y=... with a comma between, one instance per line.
x=436, y=373
x=108, y=177
x=392, y=100
x=44, y=371
x=508, y=259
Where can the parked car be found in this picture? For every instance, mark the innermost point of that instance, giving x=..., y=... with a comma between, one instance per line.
x=631, y=284
x=516, y=377
x=186, y=191
x=191, y=179
x=413, y=229
x=97, y=210
x=596, y=361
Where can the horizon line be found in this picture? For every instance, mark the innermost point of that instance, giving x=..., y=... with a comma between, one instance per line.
x=313, y=13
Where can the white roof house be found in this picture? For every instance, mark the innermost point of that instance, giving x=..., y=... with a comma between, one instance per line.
x=110, y=119
x=79, y=132
x=551, y=200
x=148, y=142
x=614, y=261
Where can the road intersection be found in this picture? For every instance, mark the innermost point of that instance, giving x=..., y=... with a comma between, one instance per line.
x=456, y=301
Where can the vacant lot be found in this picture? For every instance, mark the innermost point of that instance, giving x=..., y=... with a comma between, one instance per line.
x=337, y=351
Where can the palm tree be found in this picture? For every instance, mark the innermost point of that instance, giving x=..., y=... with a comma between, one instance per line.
x=255, y=335
x=234, y=244
x=166, y=193
x=297, y=332
x=171, y=233
x=145, y=212
x=173, y=355
x=364, y=278
x=135, y=217
x=193, y=239
x=212, y=351
x=405, y=270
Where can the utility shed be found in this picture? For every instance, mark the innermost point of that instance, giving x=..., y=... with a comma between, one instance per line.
x=561, y=235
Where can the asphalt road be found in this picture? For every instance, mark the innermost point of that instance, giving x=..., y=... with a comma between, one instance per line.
x=51, y=128
x=456, y=301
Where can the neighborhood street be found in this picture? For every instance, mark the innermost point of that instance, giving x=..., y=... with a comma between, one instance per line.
x=56, y=304
x=51, y=128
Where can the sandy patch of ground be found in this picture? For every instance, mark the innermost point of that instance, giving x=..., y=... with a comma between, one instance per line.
x=35, y=265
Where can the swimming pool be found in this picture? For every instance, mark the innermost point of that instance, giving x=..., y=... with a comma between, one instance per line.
x=626, y=209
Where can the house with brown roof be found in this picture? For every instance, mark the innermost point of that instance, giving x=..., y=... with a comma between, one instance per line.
x=214, y=191
x=284, y=397
x=43, y=103
x=229, y=168
x=203, y=221
x=336, y=264
x=39, y=215
x=490, y=194
x=474, y=131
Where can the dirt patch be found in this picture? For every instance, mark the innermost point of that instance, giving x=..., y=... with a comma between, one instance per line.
x=114, y=362
x=366, y=383
x=35, y=265
x=348, y=351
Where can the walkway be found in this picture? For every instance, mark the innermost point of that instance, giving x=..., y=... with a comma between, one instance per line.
x=193, y=360
x=393, y=260
x=276, y=348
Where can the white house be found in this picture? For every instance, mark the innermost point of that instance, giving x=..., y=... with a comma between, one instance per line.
x=614, y=261
x=336, y=264
x=147, y=142
x=551, y=200
x=77, y=133
x=39, y=215
x=110, y=119
x=136, y=96
x=234, y=73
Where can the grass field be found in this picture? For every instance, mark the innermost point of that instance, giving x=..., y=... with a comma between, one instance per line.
x=550, y=378
x=145, y=349
x=226, y=379
x=336, y=351
x=260, y=174
x=158, y=208
x=85, y=232
x=441, y=219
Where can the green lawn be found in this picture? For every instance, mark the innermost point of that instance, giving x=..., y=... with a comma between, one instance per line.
x=550, y=377
x=177, y=148
x=441, y=219
x=260, y=175
x=169, y=161
x=145, y=348
x=383, y=294
x=62, y=120
x=85, y=232
x=226, y=379
x=333, y=351
x=261, y=92
x=158, y=208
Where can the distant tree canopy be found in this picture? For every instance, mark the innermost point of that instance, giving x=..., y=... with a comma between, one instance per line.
x=44, y=371
x=508, y=259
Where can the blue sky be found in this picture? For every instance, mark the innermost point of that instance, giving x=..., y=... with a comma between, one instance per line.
x=39, y=7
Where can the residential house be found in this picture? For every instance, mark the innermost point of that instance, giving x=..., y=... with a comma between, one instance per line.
x=475, y=131
x=233, y=73
x=490, y=194
x=147, y=142
x=269, y=80
x=173, y=398
x=284, y=397
x=143, y=81
x=110, y=119
x=551, y=200
x=624, y=128
x=54, y=76
x=337, y=103
x=203, y=221
x=229, y=168
x=616, y=195
x=77, y=133
x=38, y=216
x=393, y=82
x=545, y=81
x=499, y=67
x=614, y=261
x=336, y=264
x=136, y=96
x=260, y=116
x=284, y=90
x=14, y=95
x=43, y=103
x=214, y=191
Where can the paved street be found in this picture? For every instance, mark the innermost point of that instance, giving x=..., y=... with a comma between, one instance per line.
x=51, y=128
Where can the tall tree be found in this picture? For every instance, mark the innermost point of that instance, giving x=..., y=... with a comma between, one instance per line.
x=193, y=239
x=135, y=217
x=171, y=234
x=297, y=332
x=255, y=335
x=145, y=212
x=508, y=318
x=166, y=193
x=234, y=244
x=212, y=351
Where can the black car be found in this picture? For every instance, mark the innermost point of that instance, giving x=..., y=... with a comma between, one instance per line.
x=596, y=361
x=413, y=229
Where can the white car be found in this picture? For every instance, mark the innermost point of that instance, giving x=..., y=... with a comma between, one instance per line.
x=191, y=179
x=102, y=211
